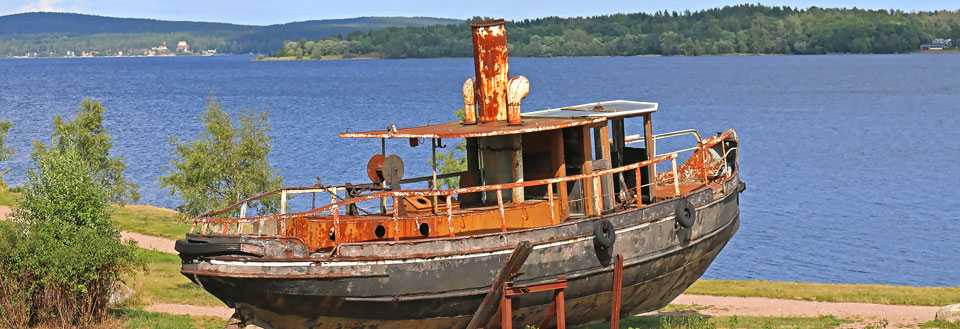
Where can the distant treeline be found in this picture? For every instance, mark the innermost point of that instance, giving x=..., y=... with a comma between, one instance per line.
x=54, y=34
x=746, y=29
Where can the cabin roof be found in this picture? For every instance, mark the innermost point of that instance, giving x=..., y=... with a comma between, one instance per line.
x=459, y=130
x=608, y=109
x=549, y=119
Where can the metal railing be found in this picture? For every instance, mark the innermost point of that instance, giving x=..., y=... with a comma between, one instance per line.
x=630, y=139
x=593, y=178
x=397, y=195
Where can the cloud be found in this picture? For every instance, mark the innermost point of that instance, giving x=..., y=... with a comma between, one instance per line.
x=43, y=5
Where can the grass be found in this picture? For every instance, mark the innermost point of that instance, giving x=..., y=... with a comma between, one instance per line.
x=136, y=319
x=852, y=293
x=940, y=324
x=691, y=320
x=150, y=220
x=163, y=283
x=7, y=198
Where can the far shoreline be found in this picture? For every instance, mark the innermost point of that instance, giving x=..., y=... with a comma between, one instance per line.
x=255, y=58
x=334, y=58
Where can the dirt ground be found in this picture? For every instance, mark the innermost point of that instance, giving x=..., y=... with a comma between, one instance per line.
x=222, y=312
x=865, y=314
x=150, y=242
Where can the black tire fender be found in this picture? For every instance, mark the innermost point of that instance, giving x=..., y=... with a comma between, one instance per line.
x=686, y=213
x=604, y=233
x=219, y=248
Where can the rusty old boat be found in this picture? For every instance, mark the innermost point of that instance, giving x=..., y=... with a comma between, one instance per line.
x=570, y=181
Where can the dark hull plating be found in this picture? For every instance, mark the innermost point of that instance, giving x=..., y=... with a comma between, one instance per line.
x=440, y=283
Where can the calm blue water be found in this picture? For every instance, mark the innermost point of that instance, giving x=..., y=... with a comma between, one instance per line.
x=851, y=161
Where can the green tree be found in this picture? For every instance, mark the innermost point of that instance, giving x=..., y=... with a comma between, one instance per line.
x=5, y=152
x=225, y=164
x=669, y=43
x=62, y=255
x=92, y=142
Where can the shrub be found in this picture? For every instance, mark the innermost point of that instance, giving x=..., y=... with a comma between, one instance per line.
x=228, y=162
x=87, y=136
x=61, y=255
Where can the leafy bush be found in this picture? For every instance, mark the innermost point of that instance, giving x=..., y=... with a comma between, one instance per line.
x=227, y=163
x=61, y=255
x=87, y=136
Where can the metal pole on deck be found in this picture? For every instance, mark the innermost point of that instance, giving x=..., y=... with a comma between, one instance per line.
x=383, y=184
x=434, y=150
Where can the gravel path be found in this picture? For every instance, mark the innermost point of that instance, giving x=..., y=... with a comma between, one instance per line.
x=222, y=312
x=150, y=242
x=897, y=315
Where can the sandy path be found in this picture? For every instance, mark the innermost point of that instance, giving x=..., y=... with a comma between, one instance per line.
x=222, y=312
x=757, y=306
x=150, y=242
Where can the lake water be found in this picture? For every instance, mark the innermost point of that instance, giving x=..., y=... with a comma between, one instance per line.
x=851, y=161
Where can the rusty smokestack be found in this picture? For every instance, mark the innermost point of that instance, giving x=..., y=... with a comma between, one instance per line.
x=492, y=71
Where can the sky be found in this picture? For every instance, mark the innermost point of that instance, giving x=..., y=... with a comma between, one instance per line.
x=260, y=12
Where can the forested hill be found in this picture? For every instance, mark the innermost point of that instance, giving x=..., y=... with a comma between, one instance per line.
x=43, y=33
x=750, y=29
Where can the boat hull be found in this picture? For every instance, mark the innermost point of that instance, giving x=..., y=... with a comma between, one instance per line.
x=441, y=282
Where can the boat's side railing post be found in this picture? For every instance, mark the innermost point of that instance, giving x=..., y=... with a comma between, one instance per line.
x=450, y=214
x=336, y=223
x=639, y=187
x=503, y=217
x=723, y=149
x=597, y=196
x=243, y=214
x=676, y=180
x=703, y=162
x=282, y=227
x=396, y=218
x=553, y=213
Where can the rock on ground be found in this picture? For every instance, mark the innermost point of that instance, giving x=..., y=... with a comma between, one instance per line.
x=119, y=294
x=949, y=313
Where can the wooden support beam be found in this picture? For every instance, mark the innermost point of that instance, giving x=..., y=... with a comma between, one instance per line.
x=607, y=189
x=586, y=168
x=650, y=171
x=560, y=170
x=484, y=315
